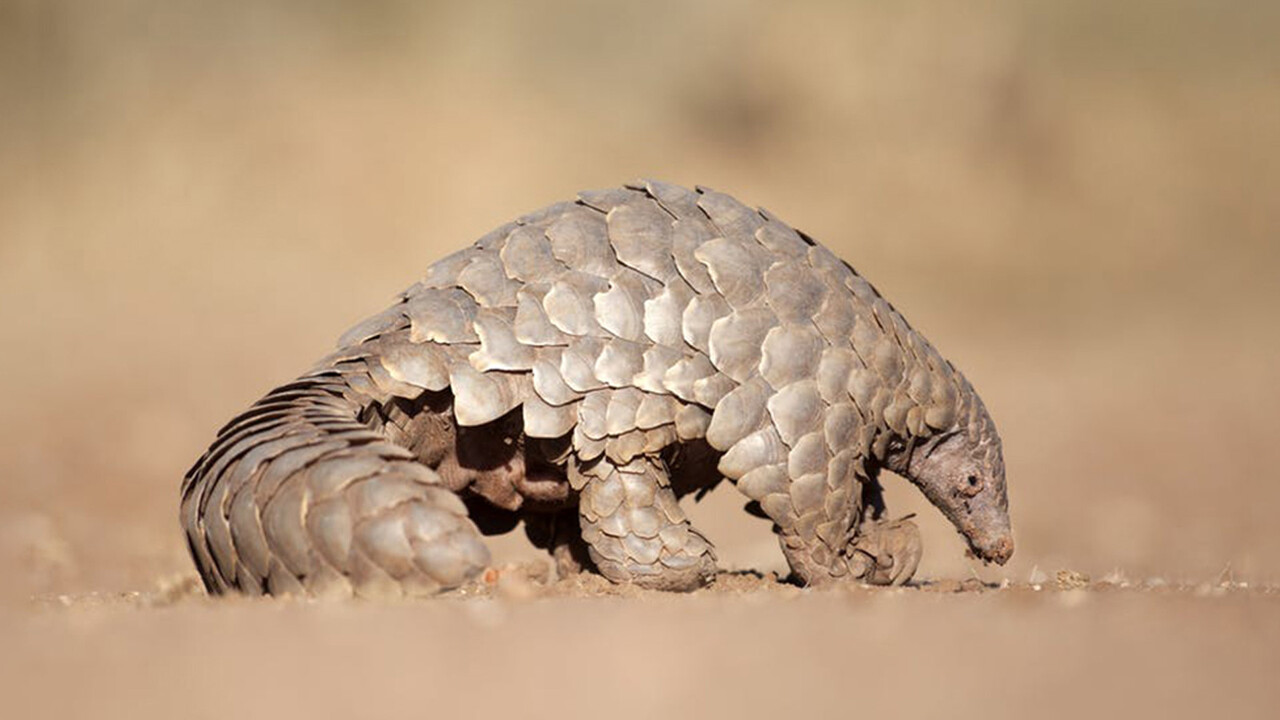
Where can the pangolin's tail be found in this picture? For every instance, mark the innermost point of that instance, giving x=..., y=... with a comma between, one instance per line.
x=298, y=495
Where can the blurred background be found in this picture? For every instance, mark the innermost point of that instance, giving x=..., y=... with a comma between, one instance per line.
x=1078, y=202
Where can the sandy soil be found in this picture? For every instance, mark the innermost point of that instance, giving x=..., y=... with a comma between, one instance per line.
x=1074, y=201
x=747, y=646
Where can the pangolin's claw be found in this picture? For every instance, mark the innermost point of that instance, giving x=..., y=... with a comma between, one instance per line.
x=888, y=551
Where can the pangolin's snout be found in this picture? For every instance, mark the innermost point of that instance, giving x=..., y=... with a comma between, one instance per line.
x=998, y=550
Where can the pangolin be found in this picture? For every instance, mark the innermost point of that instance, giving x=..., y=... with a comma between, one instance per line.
x=581, y=369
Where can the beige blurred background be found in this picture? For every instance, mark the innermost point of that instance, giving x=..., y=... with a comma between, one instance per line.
x=1077, y=201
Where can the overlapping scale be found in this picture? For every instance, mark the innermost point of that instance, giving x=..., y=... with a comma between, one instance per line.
x=627, y=321
x=640, y=232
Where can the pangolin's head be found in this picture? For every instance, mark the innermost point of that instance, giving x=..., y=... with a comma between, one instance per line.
x=961, y=471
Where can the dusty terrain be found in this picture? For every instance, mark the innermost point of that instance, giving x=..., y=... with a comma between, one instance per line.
x=1075, y=201
x=745, y=647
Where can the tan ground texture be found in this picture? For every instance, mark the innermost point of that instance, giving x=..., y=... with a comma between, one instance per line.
x=1078, y=202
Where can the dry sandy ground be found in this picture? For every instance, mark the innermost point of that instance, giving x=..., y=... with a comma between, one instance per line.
x=1076, y=202
x=747, y=647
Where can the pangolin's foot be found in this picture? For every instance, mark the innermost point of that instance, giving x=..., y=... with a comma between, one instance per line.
x=886, y=552
x=636, y=532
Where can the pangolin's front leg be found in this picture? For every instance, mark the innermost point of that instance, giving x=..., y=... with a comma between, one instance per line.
x=884, y=551
x=635, y=530
x=814, y=519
